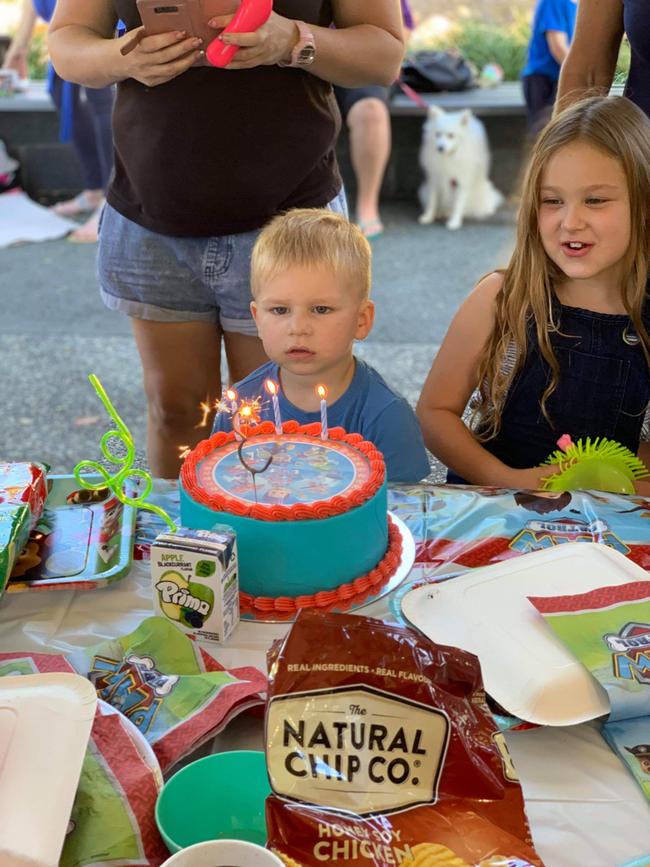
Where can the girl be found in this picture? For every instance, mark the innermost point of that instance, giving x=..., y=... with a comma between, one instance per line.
x=558, y=342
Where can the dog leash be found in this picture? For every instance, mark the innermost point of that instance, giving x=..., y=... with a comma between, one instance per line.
x=413, y=95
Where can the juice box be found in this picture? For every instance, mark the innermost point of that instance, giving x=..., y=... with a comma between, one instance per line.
x=195, y=582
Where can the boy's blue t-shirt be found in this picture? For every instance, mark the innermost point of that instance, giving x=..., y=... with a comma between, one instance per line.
x=368, y=407
x=549, y=15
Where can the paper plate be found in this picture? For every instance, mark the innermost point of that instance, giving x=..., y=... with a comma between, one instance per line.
x=525, y=667
x=45, y=725
x=406, y=562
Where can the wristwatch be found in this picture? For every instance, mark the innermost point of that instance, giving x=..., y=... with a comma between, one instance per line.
x=304, y=51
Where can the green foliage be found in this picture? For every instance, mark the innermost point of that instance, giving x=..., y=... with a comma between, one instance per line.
x=623, y=63
x=506, y=44
x=38, y=57
x=482, y=43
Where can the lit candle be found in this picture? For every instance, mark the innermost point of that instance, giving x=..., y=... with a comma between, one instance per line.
x=272, y=389
x=231, y=394
x=322, y=393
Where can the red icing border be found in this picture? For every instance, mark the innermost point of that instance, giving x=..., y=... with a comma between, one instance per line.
x=298, y=511
x=342, y=597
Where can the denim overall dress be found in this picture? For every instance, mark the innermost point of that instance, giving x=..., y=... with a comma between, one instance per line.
x=603, y=388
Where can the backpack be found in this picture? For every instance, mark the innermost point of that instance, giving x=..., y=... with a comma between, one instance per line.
x=435, y=71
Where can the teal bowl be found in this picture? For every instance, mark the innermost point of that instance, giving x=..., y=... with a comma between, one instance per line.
x=219, y=797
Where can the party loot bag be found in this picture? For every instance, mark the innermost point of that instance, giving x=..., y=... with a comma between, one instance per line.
x=381, y=751
x=176, y=694
x=608, y=630
x=112, y=820
x=23, y=490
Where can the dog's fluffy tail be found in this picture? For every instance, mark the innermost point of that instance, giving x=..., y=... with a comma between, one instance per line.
x=486, y=201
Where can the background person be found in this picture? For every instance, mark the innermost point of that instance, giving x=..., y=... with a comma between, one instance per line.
x=365, y=110
x=591, y=63
x=85, y=121
x=552, y=31
x=204, y=158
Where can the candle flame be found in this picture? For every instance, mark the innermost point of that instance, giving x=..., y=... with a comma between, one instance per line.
x=231, y=394
x=271, y=387
x=322, y=391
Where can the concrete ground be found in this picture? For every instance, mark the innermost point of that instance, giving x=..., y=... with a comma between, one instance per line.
x=54, y=330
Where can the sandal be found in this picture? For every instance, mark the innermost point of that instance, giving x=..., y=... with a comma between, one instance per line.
x=87, y=233
x=372, y=229
x=81, y=204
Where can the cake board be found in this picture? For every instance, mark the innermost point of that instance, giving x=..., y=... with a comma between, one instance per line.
x=400, y=574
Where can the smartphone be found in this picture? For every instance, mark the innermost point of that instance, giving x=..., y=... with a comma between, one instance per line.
x=192, y=16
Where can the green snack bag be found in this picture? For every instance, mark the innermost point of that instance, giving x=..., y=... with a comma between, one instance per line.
x=608, y=630
x=14, y=532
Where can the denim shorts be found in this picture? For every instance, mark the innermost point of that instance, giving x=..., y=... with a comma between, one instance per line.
x=173, y=279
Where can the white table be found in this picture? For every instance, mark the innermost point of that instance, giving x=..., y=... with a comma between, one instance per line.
x=585, y=809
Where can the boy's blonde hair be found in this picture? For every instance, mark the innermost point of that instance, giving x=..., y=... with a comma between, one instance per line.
x=615, y=126
x=312, y=237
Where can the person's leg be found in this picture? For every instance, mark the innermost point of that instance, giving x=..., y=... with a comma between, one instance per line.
x=83, y=141
x=370, y=142
x=539, y=94
x=245, y=354
x=99, y=101
x=157, y=281
x=98, y=106
x=181, y=367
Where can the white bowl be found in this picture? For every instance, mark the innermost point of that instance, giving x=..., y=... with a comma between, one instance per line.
x=224, y=853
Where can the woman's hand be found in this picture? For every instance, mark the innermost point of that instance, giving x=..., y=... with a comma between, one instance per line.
x=273, y=41
x=154, y=60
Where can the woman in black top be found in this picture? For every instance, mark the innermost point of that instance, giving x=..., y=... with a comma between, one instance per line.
x=591, y=63
x=204, y=157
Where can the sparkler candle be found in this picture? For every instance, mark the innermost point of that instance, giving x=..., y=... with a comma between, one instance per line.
x=272, y=389
x=322, y=393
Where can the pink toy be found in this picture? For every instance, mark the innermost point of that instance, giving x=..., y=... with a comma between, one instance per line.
x=249, y=17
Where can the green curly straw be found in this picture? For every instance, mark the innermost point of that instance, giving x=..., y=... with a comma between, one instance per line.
x=116, y=483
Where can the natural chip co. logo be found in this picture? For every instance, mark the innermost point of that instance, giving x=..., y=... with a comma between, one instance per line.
x=353, y=745
x=631, y=652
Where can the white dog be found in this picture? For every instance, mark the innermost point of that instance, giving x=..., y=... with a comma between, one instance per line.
x=455, y=157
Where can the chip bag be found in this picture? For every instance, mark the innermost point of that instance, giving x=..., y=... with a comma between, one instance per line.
x=381, y=751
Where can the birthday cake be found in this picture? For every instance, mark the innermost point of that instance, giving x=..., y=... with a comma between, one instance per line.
x=310, y=514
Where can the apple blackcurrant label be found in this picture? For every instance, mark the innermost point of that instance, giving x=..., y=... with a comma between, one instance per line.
x=194, y=575
x=351, y=745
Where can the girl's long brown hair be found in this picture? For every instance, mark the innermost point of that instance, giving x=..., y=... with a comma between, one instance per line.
x=617, y=127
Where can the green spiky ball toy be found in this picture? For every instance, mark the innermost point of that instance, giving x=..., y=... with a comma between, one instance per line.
x=601, y=465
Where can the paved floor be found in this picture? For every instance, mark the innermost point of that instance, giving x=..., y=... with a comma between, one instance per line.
x=54, y=330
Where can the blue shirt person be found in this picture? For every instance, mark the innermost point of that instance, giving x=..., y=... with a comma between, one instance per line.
x=552, y=31
x=368, y=407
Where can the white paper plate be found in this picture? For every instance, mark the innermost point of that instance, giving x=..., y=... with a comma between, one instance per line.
x=525, y=667
x=406, y=562
x=45, y=725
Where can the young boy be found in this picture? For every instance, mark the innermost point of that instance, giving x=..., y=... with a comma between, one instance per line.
x=310, y=280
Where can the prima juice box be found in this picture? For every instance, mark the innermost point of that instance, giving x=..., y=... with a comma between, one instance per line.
x=195, y=582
